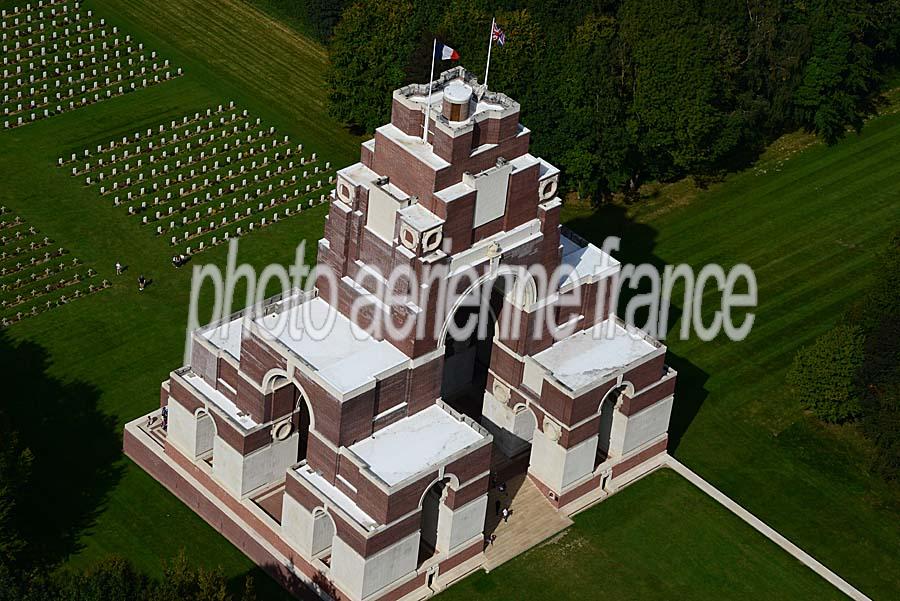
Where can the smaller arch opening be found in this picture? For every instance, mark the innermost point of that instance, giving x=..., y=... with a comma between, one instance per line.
x=286, y=399
x=324, y=531
x=609, y=407
x=431, y=519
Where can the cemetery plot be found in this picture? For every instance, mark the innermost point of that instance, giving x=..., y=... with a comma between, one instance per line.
x=204, y=178
x=37, y=275
x=57, y=58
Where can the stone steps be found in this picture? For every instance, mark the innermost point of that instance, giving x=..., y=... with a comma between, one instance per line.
x=532, y=520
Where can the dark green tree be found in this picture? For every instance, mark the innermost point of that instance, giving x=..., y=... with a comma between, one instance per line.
x=620, y=92
x=594, y=146
x=824, y=375
x=111, y=578
x=15, y=470
x=370, y=52
x=682, y=112
x=840, y=80
x=878, y=317
x=321, y=15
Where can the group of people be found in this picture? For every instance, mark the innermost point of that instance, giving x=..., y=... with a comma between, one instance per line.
x=164, y=415
x=501, y=507
x=177, y=261
x=142, y=281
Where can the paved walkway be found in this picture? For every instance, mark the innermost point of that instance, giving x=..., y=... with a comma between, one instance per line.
x=532, y=520
x=767, y=531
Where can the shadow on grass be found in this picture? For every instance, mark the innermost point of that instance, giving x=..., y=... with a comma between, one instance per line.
x=638, y=242
x=75, y=450
x=273, y=584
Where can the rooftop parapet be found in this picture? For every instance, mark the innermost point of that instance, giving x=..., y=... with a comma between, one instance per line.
x=457, y=100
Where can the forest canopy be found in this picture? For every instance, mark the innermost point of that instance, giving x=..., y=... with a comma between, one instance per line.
x=621, y=92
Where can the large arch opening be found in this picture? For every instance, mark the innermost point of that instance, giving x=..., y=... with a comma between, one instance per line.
x=324, y=531
x=468, y=343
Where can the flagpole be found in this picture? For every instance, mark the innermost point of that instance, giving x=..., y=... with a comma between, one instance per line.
x=490, y=44
x=430, y=81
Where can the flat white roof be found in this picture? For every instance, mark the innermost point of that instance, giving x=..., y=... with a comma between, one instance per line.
x=546, y=169
x=508, y=240
x=525, y=161
x=457, y=91
x=358, y=174
x=345, y=356
x=586, y=261
x=590, y=355
x=415, y=444
x=419, y=217
x=415, y=145
x=227, y=336
x=452, y=192
x=336, y=496
x=219, y=400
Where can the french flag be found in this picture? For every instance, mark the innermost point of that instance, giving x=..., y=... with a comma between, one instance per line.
x=445, y=53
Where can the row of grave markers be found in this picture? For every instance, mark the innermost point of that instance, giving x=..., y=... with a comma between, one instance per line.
x=34, y=275
x=15, y=12
x=238, y=231
x=52, y=66
x=57, y=31
x=84, y=101
x=54, y=55
x=211, y=175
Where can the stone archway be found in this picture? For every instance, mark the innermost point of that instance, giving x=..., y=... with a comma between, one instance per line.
x=433, y=519
x=469, y=332
x=524, y=422
x=323, y=532
x=205, y=434
x=523, y=293
x=288, y=397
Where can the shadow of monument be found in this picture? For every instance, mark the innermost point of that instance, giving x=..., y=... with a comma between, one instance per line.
x=638, y=242
x=75, y=449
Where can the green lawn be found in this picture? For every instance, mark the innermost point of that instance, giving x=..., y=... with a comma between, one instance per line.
x=809, y=226
x=75, y=375
x=662, y=539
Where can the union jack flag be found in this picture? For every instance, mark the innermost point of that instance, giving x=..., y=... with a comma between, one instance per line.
x=497, y=35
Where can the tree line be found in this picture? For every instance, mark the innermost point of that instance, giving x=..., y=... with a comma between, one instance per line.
x=622, y=92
